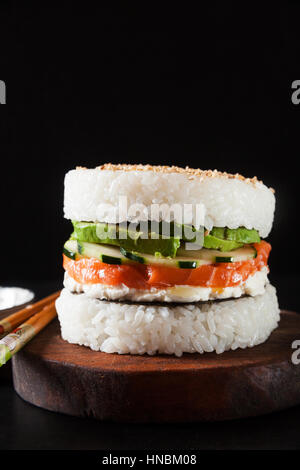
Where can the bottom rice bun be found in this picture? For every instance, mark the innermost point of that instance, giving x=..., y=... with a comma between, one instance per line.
x=120, y=327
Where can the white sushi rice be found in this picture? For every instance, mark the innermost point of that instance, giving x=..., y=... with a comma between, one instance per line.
x=254, y=285
x=225, y=201
x=124, y=328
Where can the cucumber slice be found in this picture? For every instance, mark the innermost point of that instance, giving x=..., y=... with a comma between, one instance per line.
x=106, y=254
x=224, y=259
x=110, y=260
x=213, y=256
x=132, y=256
x=69, y=254
x=187, y=264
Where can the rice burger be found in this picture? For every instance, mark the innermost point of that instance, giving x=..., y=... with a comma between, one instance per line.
x=141, y=278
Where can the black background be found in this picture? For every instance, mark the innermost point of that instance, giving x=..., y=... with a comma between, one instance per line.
x=142, y=82
x=207, y=87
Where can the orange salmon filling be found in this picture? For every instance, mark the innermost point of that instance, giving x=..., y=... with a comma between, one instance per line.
x=141, y=276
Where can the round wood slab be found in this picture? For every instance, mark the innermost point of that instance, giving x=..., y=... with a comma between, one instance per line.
x=67, y=378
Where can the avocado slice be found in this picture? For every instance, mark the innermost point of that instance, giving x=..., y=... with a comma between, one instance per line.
x=185, y=232
x=227, y=239
x=240, y=235
x=215, y=243
x=130, y=240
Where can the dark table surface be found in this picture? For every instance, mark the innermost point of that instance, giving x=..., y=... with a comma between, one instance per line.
x=24, y=426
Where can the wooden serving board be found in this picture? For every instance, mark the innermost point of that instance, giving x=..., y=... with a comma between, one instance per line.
x=67, y=378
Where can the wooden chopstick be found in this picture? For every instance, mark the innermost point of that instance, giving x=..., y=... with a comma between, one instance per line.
x=13, y=342
x=12, y=321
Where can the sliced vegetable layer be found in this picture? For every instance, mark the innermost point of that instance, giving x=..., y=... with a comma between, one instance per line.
x=185, y=259
x=121, y=236
x=161, y=238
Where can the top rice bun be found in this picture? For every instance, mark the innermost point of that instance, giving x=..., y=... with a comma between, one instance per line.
x=227, y=200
